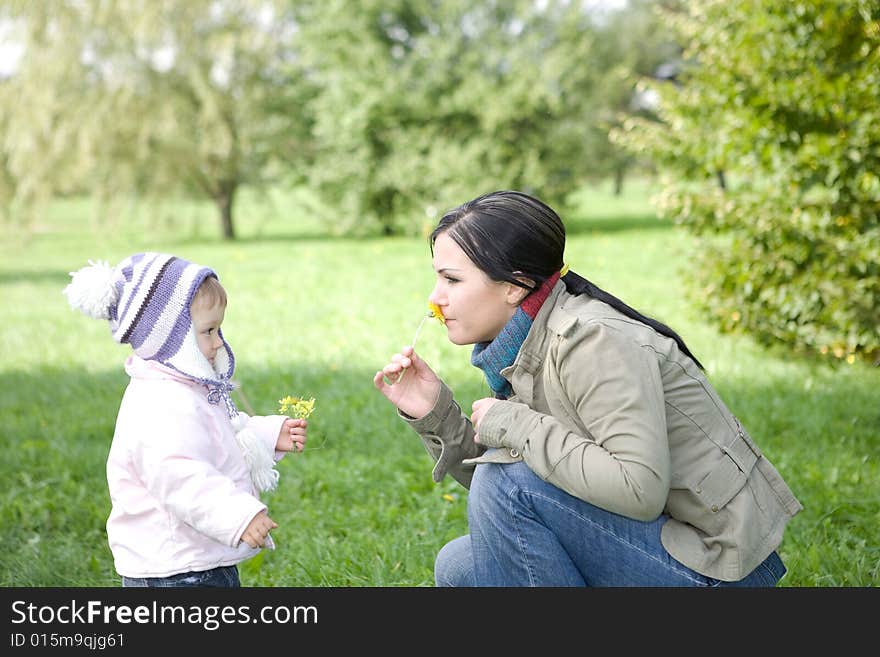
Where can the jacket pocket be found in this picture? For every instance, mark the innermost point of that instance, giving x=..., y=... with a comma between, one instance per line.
x=718, y=487
x=730, y=474
x=728, y=477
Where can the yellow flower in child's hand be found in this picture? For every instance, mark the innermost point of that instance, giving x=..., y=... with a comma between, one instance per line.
x=436, y=312
x=296, y=407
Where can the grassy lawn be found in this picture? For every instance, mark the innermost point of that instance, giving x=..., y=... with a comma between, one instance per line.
x=316, y=315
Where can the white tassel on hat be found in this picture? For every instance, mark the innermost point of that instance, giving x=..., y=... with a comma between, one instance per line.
x=92, y=290
x=260, y=460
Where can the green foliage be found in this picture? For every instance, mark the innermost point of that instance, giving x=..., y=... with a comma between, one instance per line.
x=131, y=99
x=422, y=102
x=313, y=315
x=781, y=99
x=389, y=108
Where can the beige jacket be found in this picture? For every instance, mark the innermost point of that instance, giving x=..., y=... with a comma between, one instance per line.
x=611, y=411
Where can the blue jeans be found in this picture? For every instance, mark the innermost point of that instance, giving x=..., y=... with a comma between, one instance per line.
x=224, y=576
x=527, y=532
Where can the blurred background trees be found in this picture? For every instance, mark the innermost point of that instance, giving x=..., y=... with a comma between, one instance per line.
x=770, y=142
x=388, y=109
x=422, y=102
x=121, y=98
x=761, y=116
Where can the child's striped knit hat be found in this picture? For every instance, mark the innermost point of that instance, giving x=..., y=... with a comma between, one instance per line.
x=147, y=299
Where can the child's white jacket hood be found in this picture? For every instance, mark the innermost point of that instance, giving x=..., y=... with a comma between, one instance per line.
x=180, y=487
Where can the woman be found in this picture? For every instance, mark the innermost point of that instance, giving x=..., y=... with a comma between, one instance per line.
x=605, y=457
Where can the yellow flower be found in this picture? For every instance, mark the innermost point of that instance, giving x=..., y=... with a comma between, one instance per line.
x=296, y=407
x=436, y=312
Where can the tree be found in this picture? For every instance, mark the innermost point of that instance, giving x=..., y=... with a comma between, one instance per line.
x=425, y=104
x=634, y=43
x=122, y=97
x=782, y=98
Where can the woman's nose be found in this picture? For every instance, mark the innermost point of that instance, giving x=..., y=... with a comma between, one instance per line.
x=435, y=296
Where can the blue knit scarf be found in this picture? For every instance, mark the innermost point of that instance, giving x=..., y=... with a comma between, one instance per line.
x=494, y=356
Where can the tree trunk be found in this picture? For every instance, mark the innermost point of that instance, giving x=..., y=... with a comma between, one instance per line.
x=722, y=183
x=619, y=173
x=224, y=201
x=382, y=203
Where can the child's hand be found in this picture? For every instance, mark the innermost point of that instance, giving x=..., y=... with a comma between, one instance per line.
x=258, y=529
x=292, y=436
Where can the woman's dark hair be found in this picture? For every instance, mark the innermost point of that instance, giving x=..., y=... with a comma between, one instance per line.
x=510, y=235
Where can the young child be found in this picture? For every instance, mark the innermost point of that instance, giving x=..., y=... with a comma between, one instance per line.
x=185, y=467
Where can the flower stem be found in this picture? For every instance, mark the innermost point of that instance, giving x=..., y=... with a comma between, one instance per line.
x=413, y=343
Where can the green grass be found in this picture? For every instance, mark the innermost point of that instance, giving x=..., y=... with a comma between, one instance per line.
x=311, y=314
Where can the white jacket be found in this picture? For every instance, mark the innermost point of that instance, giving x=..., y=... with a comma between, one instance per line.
x=179, y=485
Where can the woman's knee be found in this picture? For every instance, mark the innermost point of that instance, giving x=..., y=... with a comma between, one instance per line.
x=486, y=493
x=454, y=565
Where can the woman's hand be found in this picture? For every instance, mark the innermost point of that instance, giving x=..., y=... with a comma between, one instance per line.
x=411, y=385
x=478, y=410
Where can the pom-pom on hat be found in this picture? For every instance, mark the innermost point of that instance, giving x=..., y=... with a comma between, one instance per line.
x=147, y=299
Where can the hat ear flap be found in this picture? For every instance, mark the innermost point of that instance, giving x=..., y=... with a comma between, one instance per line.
x=92, y=290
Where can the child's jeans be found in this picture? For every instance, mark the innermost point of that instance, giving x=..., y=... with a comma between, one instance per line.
x=224, y=576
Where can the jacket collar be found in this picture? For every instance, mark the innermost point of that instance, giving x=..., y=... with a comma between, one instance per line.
x=550, y=321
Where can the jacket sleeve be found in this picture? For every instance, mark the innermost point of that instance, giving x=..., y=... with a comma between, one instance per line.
x=448, y=436
x=267, y=428
x=612, y=385
x=176, y=466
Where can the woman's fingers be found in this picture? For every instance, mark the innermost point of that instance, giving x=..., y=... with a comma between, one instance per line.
x=383, y=382
x=402, y=360
x=392, y=373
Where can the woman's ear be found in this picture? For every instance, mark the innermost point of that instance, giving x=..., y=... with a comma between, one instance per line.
x=515, y=293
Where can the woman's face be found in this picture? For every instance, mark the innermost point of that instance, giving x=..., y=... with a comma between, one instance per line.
x=476, y=308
